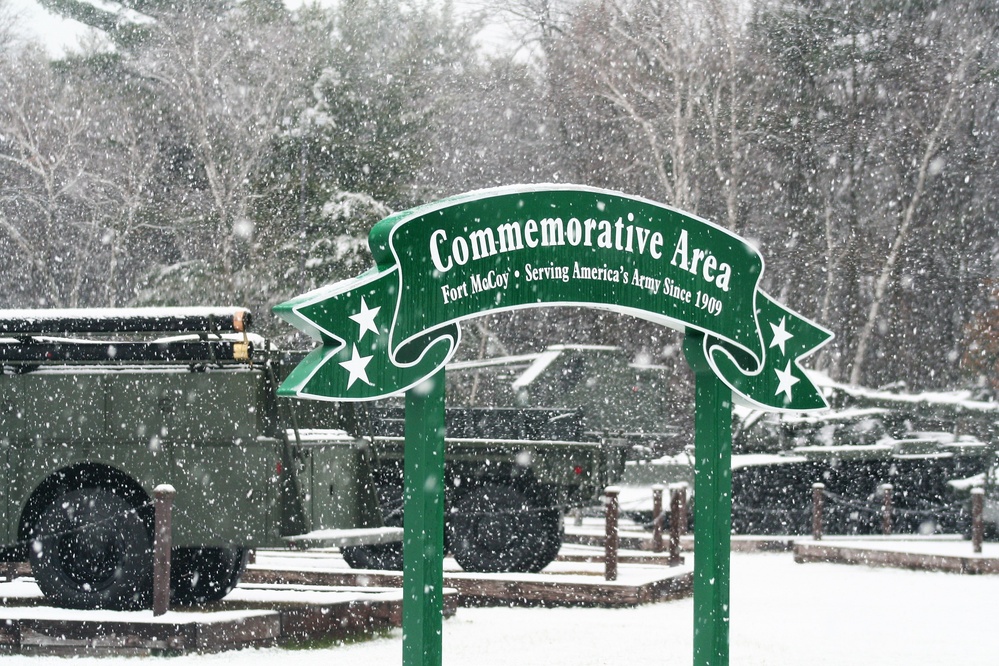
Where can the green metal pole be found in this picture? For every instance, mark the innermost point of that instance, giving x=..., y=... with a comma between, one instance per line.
x=712, y=508
x=423, y=530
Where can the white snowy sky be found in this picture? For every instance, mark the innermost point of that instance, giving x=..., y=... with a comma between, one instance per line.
x=39, y=25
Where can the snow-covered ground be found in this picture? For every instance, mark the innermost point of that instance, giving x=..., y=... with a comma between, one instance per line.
x=782, y=614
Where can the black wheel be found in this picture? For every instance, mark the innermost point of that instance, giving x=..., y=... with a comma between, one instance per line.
x=203, y=574
x=384, y=556
x=92, y=550
x=494, y=528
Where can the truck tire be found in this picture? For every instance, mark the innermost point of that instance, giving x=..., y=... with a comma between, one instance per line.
x=92, y=550
x=201, y=575
x=383, y=556
x=493, y=528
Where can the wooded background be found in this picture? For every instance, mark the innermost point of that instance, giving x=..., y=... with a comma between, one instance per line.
x=224, y=152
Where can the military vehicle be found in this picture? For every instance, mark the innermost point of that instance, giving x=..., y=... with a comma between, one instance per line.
x=510, y=474
x=97, y=407
x=928, y=446
x=90, y=424
x=558, y=428
x=621, y=401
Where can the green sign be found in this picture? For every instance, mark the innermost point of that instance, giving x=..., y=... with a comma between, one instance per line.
x=394, y=328
x=519, y=247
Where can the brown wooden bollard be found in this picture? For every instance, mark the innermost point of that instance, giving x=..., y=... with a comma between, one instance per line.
x=681, y=514
x=886, y=508
x=611, y=536
x=164, y=495
x=677, y=522
x=657, y=518
x=818, y=504
x=977, y=525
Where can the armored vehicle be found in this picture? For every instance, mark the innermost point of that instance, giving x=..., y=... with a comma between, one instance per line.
x=97, y=407
x=928, y=446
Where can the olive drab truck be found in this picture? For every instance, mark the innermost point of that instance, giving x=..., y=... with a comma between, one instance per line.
x=97, y=407
x=560, y=426
x=510, y=475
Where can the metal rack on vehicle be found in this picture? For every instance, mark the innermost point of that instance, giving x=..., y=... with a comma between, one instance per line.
x=30, y=338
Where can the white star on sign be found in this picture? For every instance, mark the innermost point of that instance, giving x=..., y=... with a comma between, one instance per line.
x=780, y=335
x=356, y=367
x=785, y=380
x=366, y=319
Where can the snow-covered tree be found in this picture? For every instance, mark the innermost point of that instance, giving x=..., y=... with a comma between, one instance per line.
x=225, y=81
x=8, y=26
x=74, y=165
x=869, y=105
x=981, y=356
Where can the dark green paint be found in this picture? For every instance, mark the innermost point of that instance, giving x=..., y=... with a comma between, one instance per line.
x=210, y=434
x=712, y=508
x=423, y=532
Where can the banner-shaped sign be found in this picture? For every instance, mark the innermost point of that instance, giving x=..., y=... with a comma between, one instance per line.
x=532, y=246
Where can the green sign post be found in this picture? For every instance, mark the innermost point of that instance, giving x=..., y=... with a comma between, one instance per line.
x=392, y=329
x=423, y=531
x=712, y=519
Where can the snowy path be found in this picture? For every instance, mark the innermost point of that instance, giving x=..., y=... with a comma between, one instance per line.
x=783, y=614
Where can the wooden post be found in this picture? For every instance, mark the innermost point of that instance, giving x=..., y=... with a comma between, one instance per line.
x=818, y=503
x=677, y=522
x=683, y=515
x=683, y=525
x=657, y=518
x=163, y=495
x=611, y=538
x=977, y=526
x=886, y=508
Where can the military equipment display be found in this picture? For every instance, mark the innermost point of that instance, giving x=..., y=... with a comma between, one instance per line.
x=90, y=424
x=621, y=401
x=510, y=474
x=97, y=407
x=930, y=447
x=559, y=427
